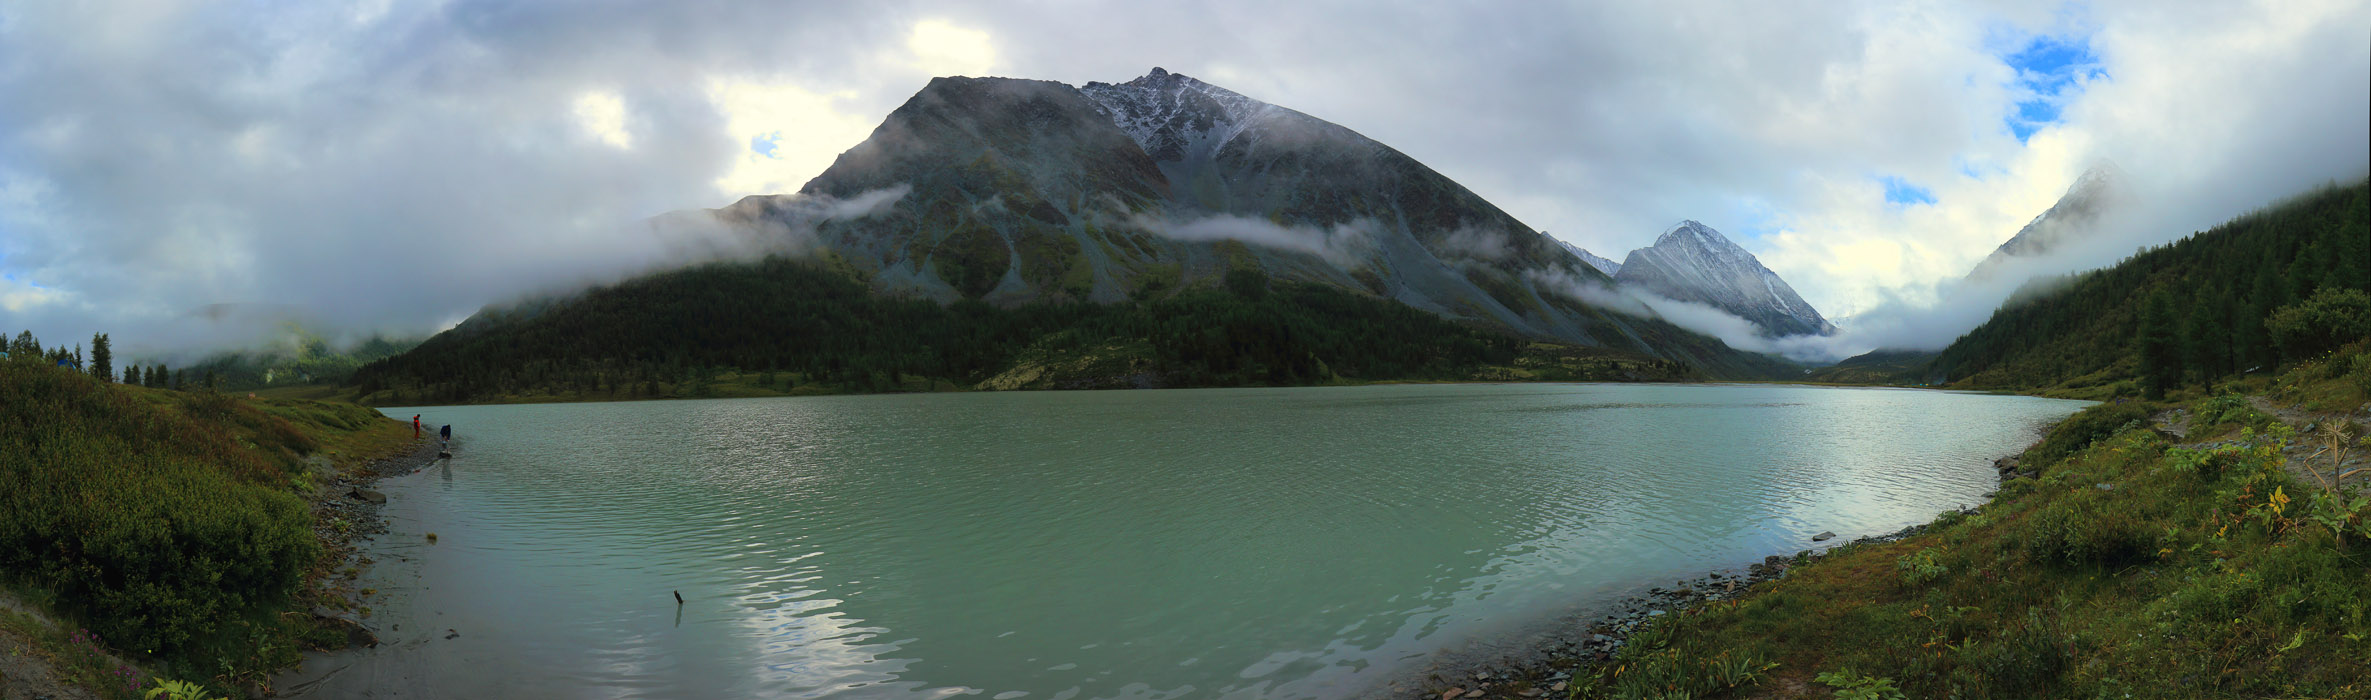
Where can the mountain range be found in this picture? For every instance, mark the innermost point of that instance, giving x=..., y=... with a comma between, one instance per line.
x=1692, y=262
x=1009, y=233
x=1013, y=191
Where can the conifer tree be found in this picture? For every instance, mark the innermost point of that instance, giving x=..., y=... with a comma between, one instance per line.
x=25, y=349
x=102, y=358
x=2159, y=350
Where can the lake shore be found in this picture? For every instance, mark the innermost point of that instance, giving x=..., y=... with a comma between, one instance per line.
x=1543, y=660
x=346, y=513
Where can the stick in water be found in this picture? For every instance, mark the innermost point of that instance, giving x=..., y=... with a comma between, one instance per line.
x=678, y=597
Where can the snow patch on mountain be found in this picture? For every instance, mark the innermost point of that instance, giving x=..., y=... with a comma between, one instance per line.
x=1609, y=267
x=1176, y=117
x=2075, y=215
x=1692, y=262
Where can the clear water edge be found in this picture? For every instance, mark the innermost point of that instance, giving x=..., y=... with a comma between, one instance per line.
x=1150, y=544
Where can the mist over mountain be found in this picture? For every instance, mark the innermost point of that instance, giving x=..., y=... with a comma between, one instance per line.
x=1692, y=262
x=2077, y=213
x=1014, y=191
x=1603, y=264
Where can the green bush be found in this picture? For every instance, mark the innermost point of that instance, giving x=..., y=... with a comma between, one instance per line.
x=2022, y=662
x=2080, y=530
x=1854, y=686
x=155, y=523
x=2080, y=430
x=2332, y=318
x=1919, y=568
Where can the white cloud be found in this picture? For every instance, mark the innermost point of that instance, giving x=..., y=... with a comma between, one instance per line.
x=18, y=297
x=801, y=130
x=399, y=164
x=1341, y=244
x=603, y=115
x=942, y=47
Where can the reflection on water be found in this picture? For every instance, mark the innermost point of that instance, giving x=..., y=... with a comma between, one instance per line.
x=1152, y=544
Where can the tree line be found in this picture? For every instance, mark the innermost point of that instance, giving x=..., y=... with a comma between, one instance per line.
x=26, y=348
x=2282, y=284
x=806, y=322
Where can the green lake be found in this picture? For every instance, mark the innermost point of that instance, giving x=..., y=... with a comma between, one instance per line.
x=1238, y=543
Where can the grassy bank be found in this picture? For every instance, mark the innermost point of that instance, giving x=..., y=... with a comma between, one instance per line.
x=175, y=526
x=2138, y=562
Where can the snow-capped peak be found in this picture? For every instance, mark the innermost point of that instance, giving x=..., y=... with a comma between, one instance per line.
x=1174, y=116
x=1694, y=262
x=1604, y=265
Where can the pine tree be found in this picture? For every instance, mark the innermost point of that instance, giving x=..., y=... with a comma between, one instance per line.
x=2213, y=341
x=102, y=358
x=25, y=349
x=2159, y=349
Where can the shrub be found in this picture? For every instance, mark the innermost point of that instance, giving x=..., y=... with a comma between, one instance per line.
x=2022, y=662
x=155, y=524
x=1918, y=568
x=1854, y=686
x=2080, y=430
x=2331, y=318
x=2080, y=530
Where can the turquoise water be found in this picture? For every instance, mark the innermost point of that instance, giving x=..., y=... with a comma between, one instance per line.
x=1270, y=543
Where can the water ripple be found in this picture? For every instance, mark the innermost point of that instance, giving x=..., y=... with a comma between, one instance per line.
x=1270, y=543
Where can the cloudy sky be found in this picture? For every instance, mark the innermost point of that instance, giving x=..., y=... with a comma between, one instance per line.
x=397, y=165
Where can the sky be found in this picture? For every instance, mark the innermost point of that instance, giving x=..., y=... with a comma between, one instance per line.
x=185, y=174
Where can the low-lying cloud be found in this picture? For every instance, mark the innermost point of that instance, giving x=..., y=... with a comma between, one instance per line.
x=1341, y=244
x=1730, y=329
x=760, y=226
x=399, y=165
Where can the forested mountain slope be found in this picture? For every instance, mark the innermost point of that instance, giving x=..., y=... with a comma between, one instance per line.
x=2191, y=311
x=816, y=325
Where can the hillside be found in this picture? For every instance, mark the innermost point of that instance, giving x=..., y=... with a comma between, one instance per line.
x=786, y=325
x=173, y=525
x=2138, y=551
x=1131, y=232
x=2076, y=214
x=1016, y=191
x=1900, y=367
x=2204, y=307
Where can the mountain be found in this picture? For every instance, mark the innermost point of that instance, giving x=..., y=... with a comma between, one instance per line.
x=1882, y=366
x=1013, y=191
x=1692, y=262
x=998, y=232
x=2220, y=291
x=2075, y=214
x=1608, y=267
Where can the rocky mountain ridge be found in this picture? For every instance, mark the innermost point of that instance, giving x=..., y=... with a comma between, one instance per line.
x=1695, y=263
x=1012, y=191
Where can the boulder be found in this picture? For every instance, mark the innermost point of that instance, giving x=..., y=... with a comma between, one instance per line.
x=1823, y=537
x=367, y=496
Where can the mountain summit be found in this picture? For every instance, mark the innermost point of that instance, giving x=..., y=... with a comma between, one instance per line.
x=1012, y=191
x=1693, y=262
x=2098, y=191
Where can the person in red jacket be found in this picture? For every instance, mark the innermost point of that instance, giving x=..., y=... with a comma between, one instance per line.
x=415, y=426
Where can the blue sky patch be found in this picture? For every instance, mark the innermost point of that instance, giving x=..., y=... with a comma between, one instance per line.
x=1900, y=192
x=2050, y=71
x=764, y=144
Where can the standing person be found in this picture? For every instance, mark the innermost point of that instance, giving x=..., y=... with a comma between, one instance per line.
x=415, y=426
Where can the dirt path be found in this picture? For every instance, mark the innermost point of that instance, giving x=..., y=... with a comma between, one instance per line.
x=27, y=670
x=2311, y=456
